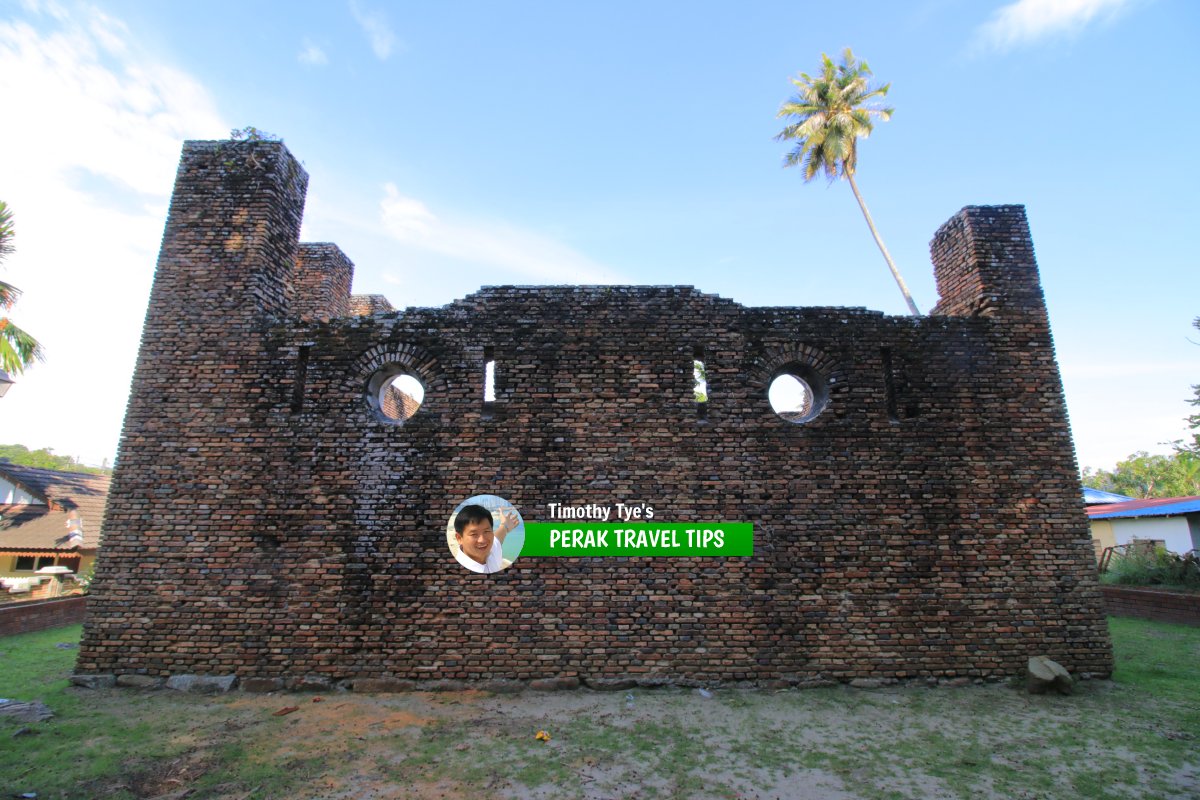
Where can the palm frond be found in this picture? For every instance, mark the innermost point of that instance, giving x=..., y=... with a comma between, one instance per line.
x=8, y=295
x=17, y=348
x=6, y=231
x=830, y=111
x=827, y=116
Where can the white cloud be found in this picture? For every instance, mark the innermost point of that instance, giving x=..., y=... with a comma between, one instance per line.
x=39, y=7
x=520, y=253
x=1027, y=21
x=375, y=25
x=99, y=133
x=312, y=54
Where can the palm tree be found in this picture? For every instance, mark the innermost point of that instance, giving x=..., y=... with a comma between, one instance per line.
x=828, y=115
x=17, y=348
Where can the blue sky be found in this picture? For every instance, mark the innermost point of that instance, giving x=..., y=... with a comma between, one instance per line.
x=452, y=145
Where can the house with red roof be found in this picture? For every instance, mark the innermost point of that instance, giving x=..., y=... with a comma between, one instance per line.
x=1173, y=521
x=49, y=526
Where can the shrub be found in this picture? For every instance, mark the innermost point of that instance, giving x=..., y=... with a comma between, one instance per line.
x=1144, y=566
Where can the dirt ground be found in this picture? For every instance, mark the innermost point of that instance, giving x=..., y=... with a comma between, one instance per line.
x=984, y=741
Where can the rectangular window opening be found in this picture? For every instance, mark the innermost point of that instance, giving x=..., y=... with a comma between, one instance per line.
x=700, y=382
x=489, y=381
x=889, y=384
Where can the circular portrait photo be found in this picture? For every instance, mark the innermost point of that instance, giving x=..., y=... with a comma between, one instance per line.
x=485, y=533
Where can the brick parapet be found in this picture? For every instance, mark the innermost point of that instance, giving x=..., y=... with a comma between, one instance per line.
x=1146, y=603
x=323, y=278
x=984, y=263
x=362, y=305
x=926, y=524
x=37, y=615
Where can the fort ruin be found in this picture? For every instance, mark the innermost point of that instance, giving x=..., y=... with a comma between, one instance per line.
x=269, y=519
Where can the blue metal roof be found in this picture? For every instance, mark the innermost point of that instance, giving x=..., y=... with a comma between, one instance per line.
x=1093, y=496
x=1154, y=507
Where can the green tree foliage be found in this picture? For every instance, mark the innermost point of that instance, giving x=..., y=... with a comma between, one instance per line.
x=827, y=116
x=45, y=459
x=1143, y=475
x=17, y=348
x=252, y=134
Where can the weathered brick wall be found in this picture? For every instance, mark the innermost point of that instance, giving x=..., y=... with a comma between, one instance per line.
x=322, y=282
x=361, y=305
x=265, y=521
x=38, y=615
x=1143, y=603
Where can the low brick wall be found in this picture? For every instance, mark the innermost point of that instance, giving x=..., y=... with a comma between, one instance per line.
x=36, y=616
x=1127, y=601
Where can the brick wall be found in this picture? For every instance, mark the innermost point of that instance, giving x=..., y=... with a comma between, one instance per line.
x=266, y=520
x=27, y=617
x=322, y=282
x=1127, y=601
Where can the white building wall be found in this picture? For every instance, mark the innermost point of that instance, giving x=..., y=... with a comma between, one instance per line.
x=13, y=495
x=1173, y=531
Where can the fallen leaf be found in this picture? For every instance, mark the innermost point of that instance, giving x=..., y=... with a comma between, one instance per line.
x=285, y=710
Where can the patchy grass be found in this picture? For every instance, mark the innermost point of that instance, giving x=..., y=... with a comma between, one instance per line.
x=36, y=666
x=1135, y=736
x=34, y=662
x=1157, y=658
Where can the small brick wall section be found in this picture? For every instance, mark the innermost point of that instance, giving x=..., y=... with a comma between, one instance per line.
x=1126, y=601
x=37, y=616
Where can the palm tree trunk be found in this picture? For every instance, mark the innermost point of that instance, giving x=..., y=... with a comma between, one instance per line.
x=886, y=255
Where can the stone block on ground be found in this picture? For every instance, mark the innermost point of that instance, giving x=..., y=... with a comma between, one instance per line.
x=94, y=681
x=25, y=712
x=134, y=681
x=202, y=684
x=1044, y=674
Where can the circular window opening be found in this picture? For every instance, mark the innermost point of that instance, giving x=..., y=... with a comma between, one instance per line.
x=395, y=394
x=797, y=394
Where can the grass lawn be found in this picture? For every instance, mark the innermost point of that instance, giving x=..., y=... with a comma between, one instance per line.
x=1137, y=736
